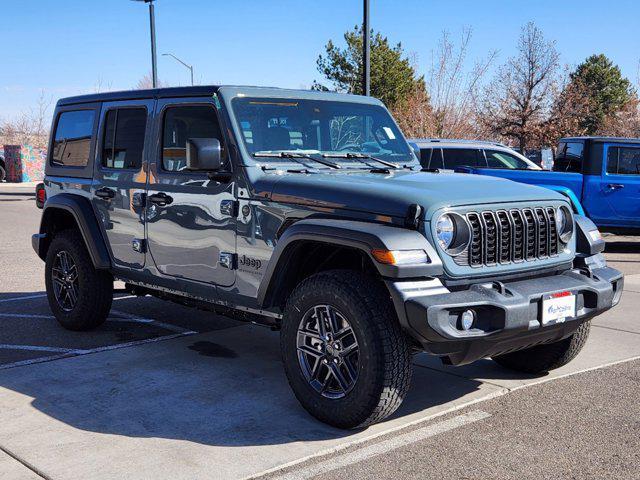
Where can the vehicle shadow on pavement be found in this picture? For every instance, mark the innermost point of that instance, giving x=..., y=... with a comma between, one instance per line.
x=235, y=396
x=223, y=388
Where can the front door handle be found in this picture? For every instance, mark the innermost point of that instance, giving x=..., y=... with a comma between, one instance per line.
x=105, y=193
x=161, y=199
x=615, y=186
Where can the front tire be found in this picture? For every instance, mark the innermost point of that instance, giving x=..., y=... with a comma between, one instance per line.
x=542, y=358
x=344, y=353
x=79, y=295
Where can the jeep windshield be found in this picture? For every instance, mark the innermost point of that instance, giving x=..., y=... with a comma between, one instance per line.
x=349, y=134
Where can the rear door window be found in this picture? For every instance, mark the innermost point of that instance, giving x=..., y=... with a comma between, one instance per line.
x=461, y=157
x=569, y=157
x=623, y=160
x=72, y=138
x=124, y=138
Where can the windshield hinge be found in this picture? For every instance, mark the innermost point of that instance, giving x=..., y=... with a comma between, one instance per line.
x=412, y=217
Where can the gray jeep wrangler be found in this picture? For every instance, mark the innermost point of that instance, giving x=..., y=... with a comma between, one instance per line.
x=308, y=212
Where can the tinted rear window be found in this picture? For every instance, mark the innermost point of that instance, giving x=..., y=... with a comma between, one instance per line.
x=461, y=157
x=72, y=140
x=569, y=157
x=124, y=138
x=623, y=160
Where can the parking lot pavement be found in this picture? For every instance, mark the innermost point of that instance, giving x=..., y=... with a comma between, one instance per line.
x=581, y=427
x=163, y=391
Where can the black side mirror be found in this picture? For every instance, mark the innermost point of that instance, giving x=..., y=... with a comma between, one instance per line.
x=204, y=154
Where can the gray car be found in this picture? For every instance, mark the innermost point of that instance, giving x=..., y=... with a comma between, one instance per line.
x=308, y=212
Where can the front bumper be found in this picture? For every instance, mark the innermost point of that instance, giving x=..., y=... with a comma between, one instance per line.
x=507, y=314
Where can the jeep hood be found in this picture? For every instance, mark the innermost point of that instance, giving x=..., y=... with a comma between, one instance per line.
x=391, y=194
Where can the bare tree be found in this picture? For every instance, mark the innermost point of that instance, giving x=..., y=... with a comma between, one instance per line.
x=448, y=110
x=453, y=90
x=146, y=82
x=518, y=102
x=30, y=127
x=100, y=86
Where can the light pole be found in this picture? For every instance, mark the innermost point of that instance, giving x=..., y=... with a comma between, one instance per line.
x=366, y=51
x=152, y=23
x=190, y=67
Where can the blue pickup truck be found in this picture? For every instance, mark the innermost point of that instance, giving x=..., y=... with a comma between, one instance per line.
x=601, y=175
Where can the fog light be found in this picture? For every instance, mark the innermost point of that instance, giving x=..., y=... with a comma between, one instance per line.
x=467, y=318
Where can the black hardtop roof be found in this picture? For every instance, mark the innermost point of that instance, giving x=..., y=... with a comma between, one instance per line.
x=172, y=92
x=604, y=139
x=208, y=91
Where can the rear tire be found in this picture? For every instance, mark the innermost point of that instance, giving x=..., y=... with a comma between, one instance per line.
x=79, y=295
x=367, y=348
x=542, y=358
x=3, y=173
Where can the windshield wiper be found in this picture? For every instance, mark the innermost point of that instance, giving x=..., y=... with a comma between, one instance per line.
x=296, y=155
x=361, y=156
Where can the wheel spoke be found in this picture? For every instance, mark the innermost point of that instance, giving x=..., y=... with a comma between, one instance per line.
x=325, y=382
x=73, y=272
x=331, y=319
x=338, y=375
x=349, y=350
x=306, y=349
x=73, y=295
x=310, y=334
x=320, y=321
x=315, y=372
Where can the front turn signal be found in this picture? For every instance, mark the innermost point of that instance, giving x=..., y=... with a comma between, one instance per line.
x=400, y=257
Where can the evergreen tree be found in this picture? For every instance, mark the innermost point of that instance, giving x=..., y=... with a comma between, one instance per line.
x=604, y=86
x=393, y=78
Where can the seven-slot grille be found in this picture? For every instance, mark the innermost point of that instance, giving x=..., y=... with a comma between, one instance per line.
x=506, y=236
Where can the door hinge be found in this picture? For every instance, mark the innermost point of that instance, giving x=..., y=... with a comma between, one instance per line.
x=229, y=207
x=139, y=245
x=228, y=260
x=138, y=199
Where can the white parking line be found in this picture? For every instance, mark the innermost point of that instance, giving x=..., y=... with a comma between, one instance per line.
x=15, y=299
x=75, y=353
x=40, y=348
x=385, y=446
x=122, y=317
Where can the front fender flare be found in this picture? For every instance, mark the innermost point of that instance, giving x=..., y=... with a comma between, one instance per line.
x=354, y=234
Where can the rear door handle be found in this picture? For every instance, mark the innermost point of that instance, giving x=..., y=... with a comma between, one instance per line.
x=105, y=193
x=160, y=199
x=615, y=186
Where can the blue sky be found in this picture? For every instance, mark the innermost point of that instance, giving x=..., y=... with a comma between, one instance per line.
x=68, y=47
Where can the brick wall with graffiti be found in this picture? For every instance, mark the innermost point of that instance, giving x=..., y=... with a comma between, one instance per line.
x=24, y=163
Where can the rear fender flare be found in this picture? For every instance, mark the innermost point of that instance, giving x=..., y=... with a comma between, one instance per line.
x=86, y=222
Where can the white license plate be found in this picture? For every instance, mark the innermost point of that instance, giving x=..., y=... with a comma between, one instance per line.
x=558, y=307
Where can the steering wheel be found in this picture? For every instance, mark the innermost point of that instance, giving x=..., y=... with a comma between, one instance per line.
x=349, y=146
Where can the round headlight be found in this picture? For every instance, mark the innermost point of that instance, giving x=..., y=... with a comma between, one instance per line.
x=564, y=221
x=445, y=231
